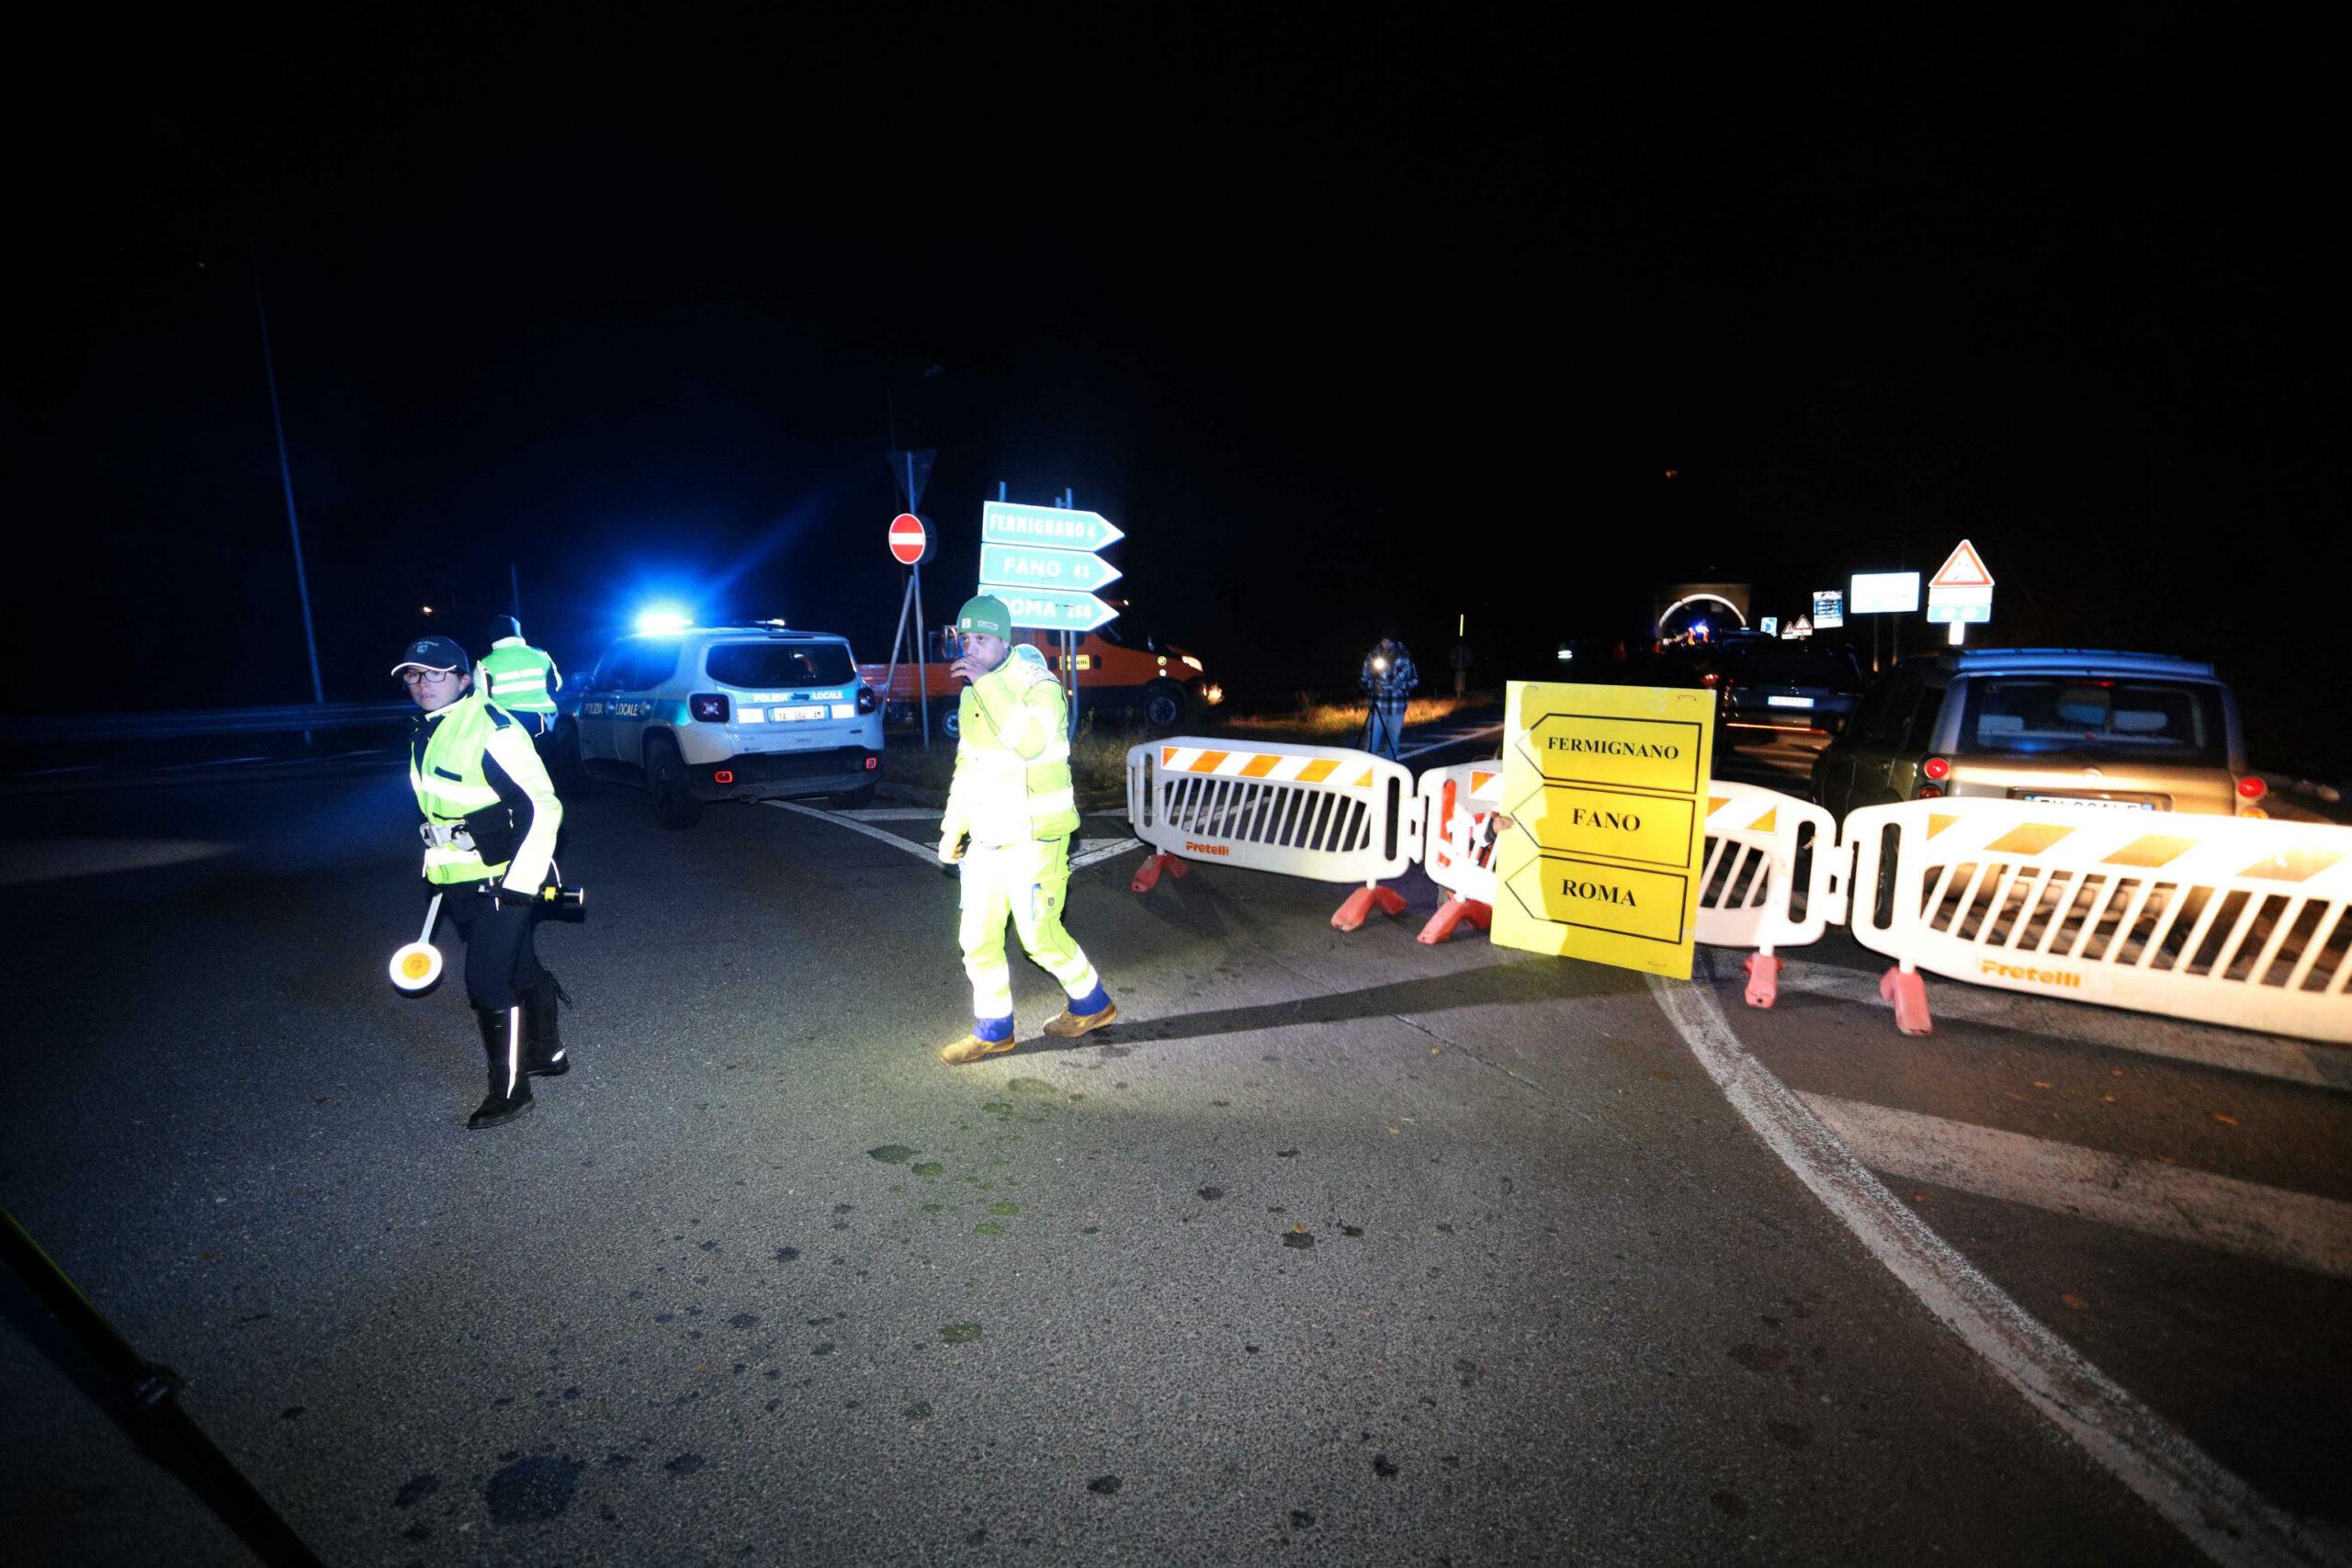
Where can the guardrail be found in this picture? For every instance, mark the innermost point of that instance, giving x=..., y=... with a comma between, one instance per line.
x=66, y=729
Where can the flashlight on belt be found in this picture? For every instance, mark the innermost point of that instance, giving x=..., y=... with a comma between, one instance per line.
x=556, y=895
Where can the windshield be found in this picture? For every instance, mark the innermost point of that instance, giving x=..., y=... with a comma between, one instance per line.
x=2153, y=721
x=778, y=666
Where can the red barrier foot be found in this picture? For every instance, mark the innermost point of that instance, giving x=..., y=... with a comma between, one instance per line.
x=1908, y=992
x=1360, y=904
x=1452, y=913
x=1147, y=874
x=1763, y=979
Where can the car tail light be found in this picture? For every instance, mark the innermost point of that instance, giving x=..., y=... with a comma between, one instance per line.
x=866, y=700
x=872, y=764
x=723, y=775
x=2252, y=788
x=1708, y=678
x=1935, y=768
x=708, y=708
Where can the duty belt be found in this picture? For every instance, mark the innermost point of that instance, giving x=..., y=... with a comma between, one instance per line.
x=446, y=835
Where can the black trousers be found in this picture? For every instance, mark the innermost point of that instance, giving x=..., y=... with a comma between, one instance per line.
x=502, y=962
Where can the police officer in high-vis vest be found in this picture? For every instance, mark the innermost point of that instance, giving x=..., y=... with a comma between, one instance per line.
x=490, y=818
x=522, y=679
x=1012, y=799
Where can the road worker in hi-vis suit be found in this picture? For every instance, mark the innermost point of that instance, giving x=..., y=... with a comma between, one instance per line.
x=491, y=819
x=1012, y=799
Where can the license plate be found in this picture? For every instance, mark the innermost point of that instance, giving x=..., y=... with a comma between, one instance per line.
x=787, y=716
x=1788, y=702
x=2086, y=800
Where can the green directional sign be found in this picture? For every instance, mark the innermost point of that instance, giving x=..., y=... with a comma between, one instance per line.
x=1053, y=609
x=1054, y=528
x=1033, y=566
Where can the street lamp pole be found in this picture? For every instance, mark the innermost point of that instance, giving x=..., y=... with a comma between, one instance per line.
x=286, y=477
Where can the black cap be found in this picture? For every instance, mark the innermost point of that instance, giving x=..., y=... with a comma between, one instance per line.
x=433, y=653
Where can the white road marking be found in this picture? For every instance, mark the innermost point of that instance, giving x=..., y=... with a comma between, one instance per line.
x=923, y=852
x=1451, y=738
x=891, y=814
x=2216, y=1510
x=2169, y=1201
x=2271, y=1057
x=1103, y=848
x=1107, y=848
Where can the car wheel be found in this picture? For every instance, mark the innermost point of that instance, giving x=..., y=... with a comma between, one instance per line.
x=675, y=806
x=948, y=725
x=857, y=799
x=1163, y=704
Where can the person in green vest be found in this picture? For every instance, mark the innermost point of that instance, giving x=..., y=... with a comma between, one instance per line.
x=1011, y=810
x=521, y=679
x=491, y=819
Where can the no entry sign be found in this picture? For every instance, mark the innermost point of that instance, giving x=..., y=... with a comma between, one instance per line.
x=910, y=539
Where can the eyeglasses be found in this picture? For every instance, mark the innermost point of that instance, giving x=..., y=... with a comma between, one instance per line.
x=432, y=677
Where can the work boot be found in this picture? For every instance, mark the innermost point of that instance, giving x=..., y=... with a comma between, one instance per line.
x=543, y=1055
x=1071, y=1023
x=510, y=1087
x=974, y=1045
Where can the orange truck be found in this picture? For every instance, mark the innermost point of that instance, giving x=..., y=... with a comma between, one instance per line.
x=1121, y=669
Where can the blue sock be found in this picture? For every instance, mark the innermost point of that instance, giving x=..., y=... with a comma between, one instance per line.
x=993, y=1028
x=1094, y=1001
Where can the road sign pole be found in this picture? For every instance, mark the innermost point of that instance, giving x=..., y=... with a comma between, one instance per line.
x=922, y=651
x=898, y=640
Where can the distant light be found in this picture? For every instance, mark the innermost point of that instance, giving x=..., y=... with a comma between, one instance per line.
x=1568, y=653
x=428, y=609
x=662, y=620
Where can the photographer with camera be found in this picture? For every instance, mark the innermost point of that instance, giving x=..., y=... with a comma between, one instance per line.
x=490, y=816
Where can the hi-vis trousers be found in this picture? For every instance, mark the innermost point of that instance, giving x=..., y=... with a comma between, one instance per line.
x=1029, y=882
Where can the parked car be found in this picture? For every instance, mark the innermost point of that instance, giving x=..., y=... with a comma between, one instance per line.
x=1765, y=683
x=2087, y=726
x=728, y=712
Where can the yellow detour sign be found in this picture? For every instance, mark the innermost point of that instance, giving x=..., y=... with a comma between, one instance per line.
x=1605, y=789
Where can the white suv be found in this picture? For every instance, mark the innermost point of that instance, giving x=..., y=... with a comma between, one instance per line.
x=729, y=712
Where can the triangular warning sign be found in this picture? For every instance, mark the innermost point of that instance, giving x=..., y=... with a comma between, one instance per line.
x=1963, y=569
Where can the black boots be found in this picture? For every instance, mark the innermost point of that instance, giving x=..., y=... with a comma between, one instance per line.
x=510, y=1090
x=543, y=1055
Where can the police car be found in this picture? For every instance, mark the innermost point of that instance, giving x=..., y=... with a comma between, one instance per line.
x=729, y=712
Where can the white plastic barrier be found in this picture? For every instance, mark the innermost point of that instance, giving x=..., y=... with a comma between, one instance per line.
x=2230, y=920
x=1771, y=878
x=1460, y=809
x=1321, y=812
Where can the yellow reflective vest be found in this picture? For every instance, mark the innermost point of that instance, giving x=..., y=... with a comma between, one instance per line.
x=521, y=679
x=448, y=767
x=1012, y=757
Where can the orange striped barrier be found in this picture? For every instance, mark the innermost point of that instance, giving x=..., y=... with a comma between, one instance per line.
x=2236, y=921
x=1321, y=812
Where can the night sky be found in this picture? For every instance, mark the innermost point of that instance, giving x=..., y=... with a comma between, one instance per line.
x=1356, y=320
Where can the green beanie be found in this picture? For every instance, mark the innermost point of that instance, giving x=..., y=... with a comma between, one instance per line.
x=984, y=614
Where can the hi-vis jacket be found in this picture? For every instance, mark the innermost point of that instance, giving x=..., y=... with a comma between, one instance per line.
x=521, y=677
x=471, y=763
x=1012, y=758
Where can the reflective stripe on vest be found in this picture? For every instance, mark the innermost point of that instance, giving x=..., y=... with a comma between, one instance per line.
x=451, y=785
x=517, y=676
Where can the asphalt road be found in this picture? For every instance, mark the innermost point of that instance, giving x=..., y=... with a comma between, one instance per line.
x=1338, y=1249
